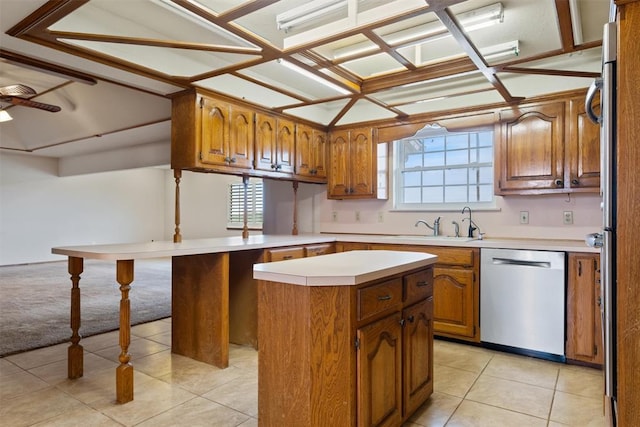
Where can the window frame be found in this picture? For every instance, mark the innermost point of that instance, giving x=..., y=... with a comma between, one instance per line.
x=432, y=132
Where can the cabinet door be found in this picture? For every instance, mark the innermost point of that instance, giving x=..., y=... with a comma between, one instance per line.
x=265, y=142
x=319, y=154
x=338, y=179
x=304, y=157
x=379, y=372
x=363, y=157
x=417, y=340
x=241, y=136
x=285, y=143
x=584, y=322
x=214, y=132
x=531, y=153
x=453, y=299
x=584, y=149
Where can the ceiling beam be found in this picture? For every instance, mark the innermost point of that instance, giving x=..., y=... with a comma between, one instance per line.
x=47, y=68
x=564, y=25
x=449, y=20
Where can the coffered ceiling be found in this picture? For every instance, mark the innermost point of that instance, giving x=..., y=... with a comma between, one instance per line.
x=329, y=62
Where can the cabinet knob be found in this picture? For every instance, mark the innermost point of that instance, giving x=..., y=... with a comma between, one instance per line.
x=273, y=165
x=410, y=319
x=575, y=182
x=558, y=183
x=232, y=160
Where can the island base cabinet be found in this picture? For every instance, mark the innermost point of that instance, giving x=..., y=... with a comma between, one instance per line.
x=343, y=355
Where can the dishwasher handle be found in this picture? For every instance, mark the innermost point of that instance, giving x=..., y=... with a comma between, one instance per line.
x=509, y=261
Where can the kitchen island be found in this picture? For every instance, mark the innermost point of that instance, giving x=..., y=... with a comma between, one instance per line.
x=345, y=338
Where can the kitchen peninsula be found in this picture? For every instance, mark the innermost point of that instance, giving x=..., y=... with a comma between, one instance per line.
x=345, y=339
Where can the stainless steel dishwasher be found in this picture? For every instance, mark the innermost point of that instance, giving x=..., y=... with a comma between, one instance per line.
x=522, y=301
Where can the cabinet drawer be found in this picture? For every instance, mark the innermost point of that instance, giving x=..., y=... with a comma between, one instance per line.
x=418, y=286
x=378, y=298
x=454, y=256
x=284, y=254
x=315, y=250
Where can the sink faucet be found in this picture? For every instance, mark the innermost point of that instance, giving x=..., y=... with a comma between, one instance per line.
x=472, y=225
x=435, y=228
x=456, y=228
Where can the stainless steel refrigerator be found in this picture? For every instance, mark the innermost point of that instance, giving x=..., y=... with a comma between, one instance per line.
x=606, y=237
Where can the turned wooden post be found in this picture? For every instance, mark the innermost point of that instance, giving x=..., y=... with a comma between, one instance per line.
x=245, y=227
x=124, y=372
x=75, y=361
x=177, y=237
x=294, y=231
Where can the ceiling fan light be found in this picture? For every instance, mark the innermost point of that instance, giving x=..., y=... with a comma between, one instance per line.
x=5, y=116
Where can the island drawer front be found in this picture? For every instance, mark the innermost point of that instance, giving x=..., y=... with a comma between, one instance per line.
x=284, y=254
x=379, y=297
x=315, y=250
x=418, y=286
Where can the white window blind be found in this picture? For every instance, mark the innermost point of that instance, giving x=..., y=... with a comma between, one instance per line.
x=235, y=217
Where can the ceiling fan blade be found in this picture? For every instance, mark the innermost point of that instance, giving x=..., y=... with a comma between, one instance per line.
x=16, y=90
x=34, y=104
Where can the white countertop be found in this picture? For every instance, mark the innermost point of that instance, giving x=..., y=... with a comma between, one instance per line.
x=344, y=268
x=124, y=251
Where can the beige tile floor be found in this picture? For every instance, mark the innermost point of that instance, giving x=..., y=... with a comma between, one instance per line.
x=473, y=387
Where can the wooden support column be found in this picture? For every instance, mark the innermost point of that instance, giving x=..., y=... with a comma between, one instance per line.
x=75, y=352
x=124, y=372
x=177, y=237
x=294, y=231
x=245, y=227
x=200, y=307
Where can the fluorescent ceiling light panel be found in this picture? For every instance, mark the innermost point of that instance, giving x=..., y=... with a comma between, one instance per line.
x=307, y=12
x=313, y=76
x=431, y=31
x=5, y=116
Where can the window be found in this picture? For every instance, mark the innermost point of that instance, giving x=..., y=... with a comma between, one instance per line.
x=235, y=218
x=437, y=169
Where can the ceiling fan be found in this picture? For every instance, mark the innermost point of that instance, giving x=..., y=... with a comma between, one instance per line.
x=19, y=95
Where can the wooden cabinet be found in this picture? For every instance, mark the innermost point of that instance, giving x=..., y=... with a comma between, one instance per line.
x=584, y=148
x=548, y=147
x=353, y=159
x=351, y=246
x=456, y=293
x=275, y=139
x=212, y=134
x=293, y=252
x=584, y=321
x=353, y=355
x=531, y=148
x=311, y=153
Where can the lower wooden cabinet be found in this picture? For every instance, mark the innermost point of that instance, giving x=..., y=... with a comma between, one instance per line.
x=293, y=252
x=584, y=321
x=456, y=292
x=346, y=355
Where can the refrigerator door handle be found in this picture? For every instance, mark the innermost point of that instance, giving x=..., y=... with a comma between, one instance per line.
x=595, y=87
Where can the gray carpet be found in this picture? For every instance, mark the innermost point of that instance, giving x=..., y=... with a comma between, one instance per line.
x=35, y=302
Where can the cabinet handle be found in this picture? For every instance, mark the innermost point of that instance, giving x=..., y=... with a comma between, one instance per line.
x=558, y=183
x=599, y=301
x=422, y=283
x=575, y=182
x=384, y=297
x=287, y=257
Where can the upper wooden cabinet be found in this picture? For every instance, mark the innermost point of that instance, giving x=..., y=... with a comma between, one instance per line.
x=547, y=148
x=353, y=160
x=311, y=153
x=530, y=155
x=584, y=148
x=275, y=141
x=210, y=133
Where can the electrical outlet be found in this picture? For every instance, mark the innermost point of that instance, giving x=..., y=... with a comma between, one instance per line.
x=524, y=217
x=380, y=216
x=334, y=216
x=567, y=217
x=357, y=216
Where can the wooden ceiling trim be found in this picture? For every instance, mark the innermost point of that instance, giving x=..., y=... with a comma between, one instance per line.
x=450, y=21
x=388, y=50
x=547, y=71
x=45, y=16
x=47, y=68
x=564, y=25
x=344, y=111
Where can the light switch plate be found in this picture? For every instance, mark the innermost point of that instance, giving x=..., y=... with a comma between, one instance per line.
x=524, y=217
